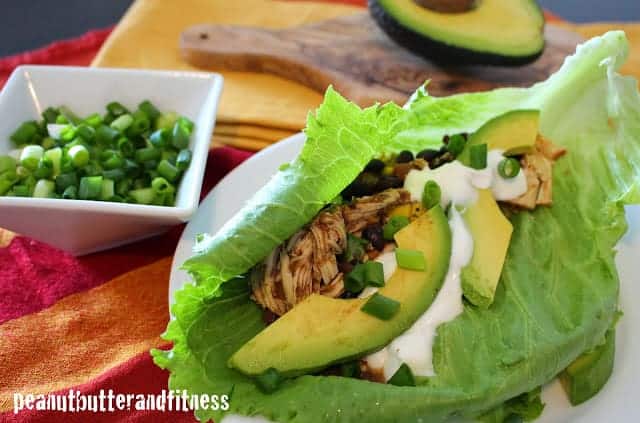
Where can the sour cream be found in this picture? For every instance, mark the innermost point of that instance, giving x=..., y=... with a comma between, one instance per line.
x=414, y=347
x=459, y=185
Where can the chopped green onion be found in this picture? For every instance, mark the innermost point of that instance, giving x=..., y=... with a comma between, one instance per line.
x=410, y=259
x=55, y=155
x=394, y=224
x=61, y=119
x=160, y=138
x=30, y=156
x=25, y=133
x=403, y=377
x=478, y=156
x=179, y=136
x=44, y=189
x=122, y=122
x=269, y=380
x=166, y=120
x=8, y=178
x=21, y=190
x=168, y=171
x=65, y=180
x=184, y=159
x=169, y=155
x=146, y=154
x=44, y=170
x=123, y=187
x=139, y=125
x=381, y=307
x=115, y=174
x=126, y=147
x=431, y=194
x=186, y=124
x=50, y=114
x=7, y=163
x=142, y=195
x=116, y=109
x=354, y=281
x=107, y=190
x=105, y=135
x=509, y=167
x=93, y=120
x=48, y=142
x=86, y=132
x=149, y=109
x=67, y=134
x=93, y=168
x=456, y=144
x=68, y=114
x=79, y=156
x=112, y=160
x=161, y=186
x=355, y=248
x=70, y=193
x=90, y=187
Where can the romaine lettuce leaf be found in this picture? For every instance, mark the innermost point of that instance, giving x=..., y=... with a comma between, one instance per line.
x=558, y=292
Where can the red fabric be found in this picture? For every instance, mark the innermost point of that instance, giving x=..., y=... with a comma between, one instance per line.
x=136, y=376
x=34, y=275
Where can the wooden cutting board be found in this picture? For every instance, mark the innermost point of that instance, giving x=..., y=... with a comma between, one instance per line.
x=354, y=55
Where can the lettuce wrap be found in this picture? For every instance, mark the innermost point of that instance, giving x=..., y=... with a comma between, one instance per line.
x=558, y=292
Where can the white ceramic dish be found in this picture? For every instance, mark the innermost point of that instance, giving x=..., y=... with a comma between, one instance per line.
x=81, y=227
x=615, y=403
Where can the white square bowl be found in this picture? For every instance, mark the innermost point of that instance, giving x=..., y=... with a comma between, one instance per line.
x=82, y=226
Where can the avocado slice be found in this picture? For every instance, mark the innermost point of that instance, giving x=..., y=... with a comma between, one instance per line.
x=321, y=331
x=491, y=233
x=515, y=132
x=494, y=32
x=586, y=376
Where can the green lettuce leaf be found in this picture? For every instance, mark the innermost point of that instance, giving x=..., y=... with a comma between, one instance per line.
x=559, y=288
x=341, y=139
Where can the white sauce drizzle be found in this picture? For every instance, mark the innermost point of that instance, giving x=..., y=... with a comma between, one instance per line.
x=459, y=185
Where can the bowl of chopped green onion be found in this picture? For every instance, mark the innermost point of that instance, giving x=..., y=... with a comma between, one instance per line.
x=95, y=158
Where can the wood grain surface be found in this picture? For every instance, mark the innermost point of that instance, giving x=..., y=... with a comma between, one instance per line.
x=354, y=55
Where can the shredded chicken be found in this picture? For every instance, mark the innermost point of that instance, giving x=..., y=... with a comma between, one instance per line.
x=307, y=262
x=538, y=170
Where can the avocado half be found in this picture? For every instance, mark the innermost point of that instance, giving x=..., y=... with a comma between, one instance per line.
x=494, y=32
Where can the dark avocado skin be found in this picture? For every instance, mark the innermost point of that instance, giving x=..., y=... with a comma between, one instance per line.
x=439, y=52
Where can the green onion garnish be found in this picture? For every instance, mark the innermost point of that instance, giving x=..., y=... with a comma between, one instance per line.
x=44, y=189
x=7, y=163
x=355, y=248
x=269, y=380
x=431, y=194
x=366, y=274
x=456, y=144
x=410, y=259
x=90, y=188
x=79, y=156
x=478, y=156
x=394, y=224
x=403, y=377
x=509, y=167
x=30, y=156
x=381, y=307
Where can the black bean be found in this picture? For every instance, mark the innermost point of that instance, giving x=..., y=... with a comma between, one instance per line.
x=428, y=154
x=365, y=184
x=404, y=156
x=374, y=166
x=386, y=182
x=373, y=234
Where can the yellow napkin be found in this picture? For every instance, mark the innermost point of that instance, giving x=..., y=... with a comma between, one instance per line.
x=148, y=34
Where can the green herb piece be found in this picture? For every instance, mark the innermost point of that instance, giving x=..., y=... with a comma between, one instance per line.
x=269, y=380
x=410, y=259
x=381, y=307
x=478, y=156
x=403, y=377
x=44, y=189
x=509, y=167
x=456, y=144
x=355, y=248
x=90, y=188
x=431, y=194
x=394, y=224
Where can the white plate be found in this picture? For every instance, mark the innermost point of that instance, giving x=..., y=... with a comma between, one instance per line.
x=617, y=402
